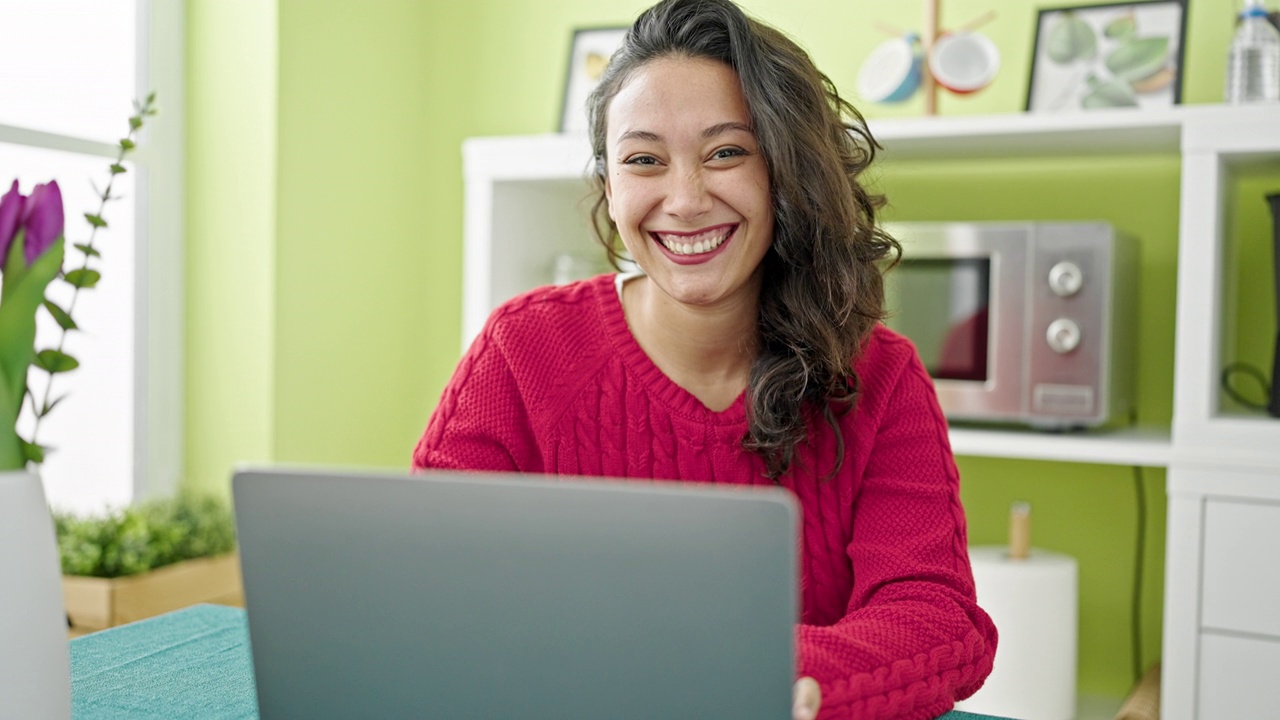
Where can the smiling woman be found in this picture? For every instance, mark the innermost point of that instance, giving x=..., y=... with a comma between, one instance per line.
x=692, y=190
x=747, y=351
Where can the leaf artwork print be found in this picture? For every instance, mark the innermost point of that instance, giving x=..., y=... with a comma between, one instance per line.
x=1107, y=57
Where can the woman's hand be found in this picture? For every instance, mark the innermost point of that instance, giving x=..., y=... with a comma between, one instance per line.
x=806, y=698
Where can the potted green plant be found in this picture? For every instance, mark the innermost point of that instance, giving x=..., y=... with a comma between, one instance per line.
x=147, y=559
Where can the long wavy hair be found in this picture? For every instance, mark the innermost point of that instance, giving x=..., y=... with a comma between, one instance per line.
x=822, y=290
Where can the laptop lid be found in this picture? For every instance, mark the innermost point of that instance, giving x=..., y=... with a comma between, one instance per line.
x=503, y=596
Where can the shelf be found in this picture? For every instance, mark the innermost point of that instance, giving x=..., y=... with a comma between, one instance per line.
x=1218, y=128
x=1231, y=441
x=1096, y=133
x=526, y=157
x=1004, y=136
x=1147, y=447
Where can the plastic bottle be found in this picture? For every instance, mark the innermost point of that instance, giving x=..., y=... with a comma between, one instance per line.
x=1253, y=65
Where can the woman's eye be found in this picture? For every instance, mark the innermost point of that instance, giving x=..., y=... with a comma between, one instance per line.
x=641, y=160
x=728, y=153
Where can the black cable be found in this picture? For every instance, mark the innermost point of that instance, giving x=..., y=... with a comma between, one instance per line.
x=1251, y=371
x=1139, y=551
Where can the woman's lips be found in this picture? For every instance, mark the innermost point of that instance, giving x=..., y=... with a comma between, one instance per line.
x=695, y=244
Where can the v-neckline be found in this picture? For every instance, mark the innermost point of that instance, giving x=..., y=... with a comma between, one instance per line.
x=642, y=366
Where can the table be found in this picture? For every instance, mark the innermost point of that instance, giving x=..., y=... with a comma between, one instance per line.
x=193, y=663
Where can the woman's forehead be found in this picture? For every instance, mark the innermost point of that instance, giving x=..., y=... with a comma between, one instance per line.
x=677, y=97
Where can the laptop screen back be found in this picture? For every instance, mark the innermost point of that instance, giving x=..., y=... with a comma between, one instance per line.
x=472, y=595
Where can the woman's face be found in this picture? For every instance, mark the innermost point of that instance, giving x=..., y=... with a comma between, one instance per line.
x=686, y=183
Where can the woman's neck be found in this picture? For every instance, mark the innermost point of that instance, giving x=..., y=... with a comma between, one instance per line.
x=708, y=351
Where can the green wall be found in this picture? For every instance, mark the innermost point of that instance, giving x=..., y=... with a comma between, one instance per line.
x=326, y=227
x=369, y=226
x=231, y=228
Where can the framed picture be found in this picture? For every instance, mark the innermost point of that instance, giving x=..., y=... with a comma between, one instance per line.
x=1108, y=56
x=588, y=56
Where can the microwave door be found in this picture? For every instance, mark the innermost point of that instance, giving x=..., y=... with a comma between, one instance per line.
x=944, y=308
x=959, y=297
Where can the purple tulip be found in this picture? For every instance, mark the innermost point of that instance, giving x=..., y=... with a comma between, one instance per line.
x=10, y=211
x=43, y=219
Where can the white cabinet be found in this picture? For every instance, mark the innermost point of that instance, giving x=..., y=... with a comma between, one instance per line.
x=1236, y=674
x=1242, y=567
x=1239, y=629
x=1222, y=586
x=527, y=204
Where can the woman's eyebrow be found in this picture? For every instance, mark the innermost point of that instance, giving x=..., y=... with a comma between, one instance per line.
x=640, y=135
x=722, y=128
x=707, y=134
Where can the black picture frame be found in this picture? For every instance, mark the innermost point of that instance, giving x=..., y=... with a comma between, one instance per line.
x=1124, y=69
x=589, y=53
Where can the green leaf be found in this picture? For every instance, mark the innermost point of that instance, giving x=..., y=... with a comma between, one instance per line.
x=49, y=406
x=1071, y=39
x=1139, y=58
x=151, y=97
x=1122, y=27
x=55, y=361
x=1108, y=94
x=135, y=122
x=63, y=319
x=84, y=278
x=127, y=144
x=95, y=220
x=118, y=169
x=32, y=452
x=88, y=250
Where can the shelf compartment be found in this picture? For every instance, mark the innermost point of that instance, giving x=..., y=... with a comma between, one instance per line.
x=1147, y=447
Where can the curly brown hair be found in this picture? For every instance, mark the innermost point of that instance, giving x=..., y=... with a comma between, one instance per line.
x=822, y=287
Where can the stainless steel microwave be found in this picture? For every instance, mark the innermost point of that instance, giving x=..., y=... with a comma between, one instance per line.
x=1020, y=322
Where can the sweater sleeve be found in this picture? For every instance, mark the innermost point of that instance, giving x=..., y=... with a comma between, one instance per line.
x=481, y=422
x=913, y=639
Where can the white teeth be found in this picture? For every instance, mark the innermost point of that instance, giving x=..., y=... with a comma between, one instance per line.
x=694, y=245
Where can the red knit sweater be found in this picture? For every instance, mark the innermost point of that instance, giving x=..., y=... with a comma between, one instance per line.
x=890, y=628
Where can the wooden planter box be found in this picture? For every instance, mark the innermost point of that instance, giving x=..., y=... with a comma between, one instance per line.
x=98, y=603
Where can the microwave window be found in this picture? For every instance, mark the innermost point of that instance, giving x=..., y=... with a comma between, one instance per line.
x=943, y=306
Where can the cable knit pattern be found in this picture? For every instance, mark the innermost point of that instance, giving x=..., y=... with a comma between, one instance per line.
x=889, y=625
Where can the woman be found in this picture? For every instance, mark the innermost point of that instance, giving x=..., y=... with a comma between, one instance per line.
x=747, y=352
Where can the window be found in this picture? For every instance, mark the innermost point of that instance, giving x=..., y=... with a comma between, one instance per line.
x=69, y=72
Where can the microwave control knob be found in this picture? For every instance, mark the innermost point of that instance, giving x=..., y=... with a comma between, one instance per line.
x=1063, y=336
x=1065, y=279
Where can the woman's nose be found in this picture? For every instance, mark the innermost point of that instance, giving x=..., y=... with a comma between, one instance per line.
x=687, y=197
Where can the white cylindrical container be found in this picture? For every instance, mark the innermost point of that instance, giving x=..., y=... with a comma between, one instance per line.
x=34, y=666
x=1034, y=604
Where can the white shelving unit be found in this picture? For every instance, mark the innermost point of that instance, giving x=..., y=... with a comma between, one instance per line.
x=526, y=203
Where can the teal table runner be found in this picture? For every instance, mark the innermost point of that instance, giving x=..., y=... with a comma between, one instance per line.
x=194, y=663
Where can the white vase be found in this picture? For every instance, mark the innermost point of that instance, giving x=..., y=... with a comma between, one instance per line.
x=35, y=669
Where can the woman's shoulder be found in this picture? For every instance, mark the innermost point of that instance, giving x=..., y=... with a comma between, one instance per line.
x=548, y=304
x=886, y=360
x=884, y=350
x=549, y=317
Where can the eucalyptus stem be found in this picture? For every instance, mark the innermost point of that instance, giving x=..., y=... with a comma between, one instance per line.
x=96, y=222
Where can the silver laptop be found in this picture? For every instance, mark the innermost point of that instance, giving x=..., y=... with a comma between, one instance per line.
x=466, y=595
